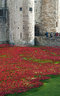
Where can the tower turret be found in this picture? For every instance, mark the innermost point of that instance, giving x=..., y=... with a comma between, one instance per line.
x=48, y=16
x=21, y=22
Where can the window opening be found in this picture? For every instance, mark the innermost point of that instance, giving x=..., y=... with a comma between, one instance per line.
x=30, y=9
x=1, y=12
x=20, y=8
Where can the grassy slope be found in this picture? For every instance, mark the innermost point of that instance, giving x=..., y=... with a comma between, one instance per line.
x=51, y=87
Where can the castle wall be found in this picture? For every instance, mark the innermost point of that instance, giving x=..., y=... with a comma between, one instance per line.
x=28, y=21
x=58, y=24
x=24, y=15
x=48, y=21
x=3, y=3
x=3, y=25
x=48, y=15
x=0, y=3
x=15, y=20
x=3, y=32
x=21, y=21
x=37, y=9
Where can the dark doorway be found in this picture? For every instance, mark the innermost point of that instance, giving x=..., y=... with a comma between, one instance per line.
x=36, y=30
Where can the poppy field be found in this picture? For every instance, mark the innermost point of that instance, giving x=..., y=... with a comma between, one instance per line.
x=24, y=68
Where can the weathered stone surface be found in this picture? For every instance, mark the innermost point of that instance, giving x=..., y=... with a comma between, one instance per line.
x=21, y=21
x=24, y=15
x=3, y=31
x=48, y=16
x=47, y=41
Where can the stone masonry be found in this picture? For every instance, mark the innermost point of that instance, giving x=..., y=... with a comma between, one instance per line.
x=22, y=17
x=3, y=23
x=21, y=21
x=47, y=16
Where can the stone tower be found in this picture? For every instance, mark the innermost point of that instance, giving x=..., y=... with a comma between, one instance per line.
x=49, y=15
x=58, y=16
x=46, y=15
x=21, y=21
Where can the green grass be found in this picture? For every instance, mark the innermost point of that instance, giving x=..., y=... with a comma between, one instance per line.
x=57, y=62
x=38, y=60
x=3, y=56
x=41, y=61
x=51, y=87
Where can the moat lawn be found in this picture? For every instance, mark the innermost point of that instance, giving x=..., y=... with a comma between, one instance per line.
x=29, y=71
x=51, y=87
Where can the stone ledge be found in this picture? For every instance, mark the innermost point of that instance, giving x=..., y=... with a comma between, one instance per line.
x=45, y=41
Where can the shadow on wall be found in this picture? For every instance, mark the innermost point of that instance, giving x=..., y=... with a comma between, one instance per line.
x=39, y=31
x=36, y=43
x=36, y=30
